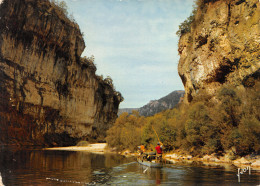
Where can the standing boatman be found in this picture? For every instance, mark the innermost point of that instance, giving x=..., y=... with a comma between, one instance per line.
x=158, y=148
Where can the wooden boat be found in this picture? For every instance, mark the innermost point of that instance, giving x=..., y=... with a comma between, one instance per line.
x=155, y=163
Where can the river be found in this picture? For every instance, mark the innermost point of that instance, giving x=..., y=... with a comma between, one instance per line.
x=38, y=167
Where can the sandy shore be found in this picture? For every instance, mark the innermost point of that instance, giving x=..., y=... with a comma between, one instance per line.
x=95, y=147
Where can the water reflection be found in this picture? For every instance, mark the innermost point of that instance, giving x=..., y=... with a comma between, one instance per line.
x=35, y=167
x=158, y=175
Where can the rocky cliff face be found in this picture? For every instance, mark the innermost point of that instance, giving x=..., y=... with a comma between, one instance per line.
x=223, y=46
x=48, y=93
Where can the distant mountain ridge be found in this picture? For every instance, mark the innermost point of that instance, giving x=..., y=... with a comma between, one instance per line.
x=155, y=106
x=128, y=110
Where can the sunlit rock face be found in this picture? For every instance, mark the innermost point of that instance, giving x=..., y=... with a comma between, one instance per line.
x=223, y=46
x=49, y=95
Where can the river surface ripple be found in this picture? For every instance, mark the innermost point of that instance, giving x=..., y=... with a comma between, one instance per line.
x=37, y=167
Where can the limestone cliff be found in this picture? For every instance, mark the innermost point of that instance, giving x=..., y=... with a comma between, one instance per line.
x=48, y=93
x=222, y=46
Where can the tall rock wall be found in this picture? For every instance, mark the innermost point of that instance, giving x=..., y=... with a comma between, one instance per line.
x=223, y=46
x=49, y=95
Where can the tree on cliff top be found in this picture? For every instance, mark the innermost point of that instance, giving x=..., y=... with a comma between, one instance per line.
x=185, y=26
x=63, y=7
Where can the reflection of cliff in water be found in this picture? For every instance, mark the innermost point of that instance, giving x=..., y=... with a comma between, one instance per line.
x=19, y=166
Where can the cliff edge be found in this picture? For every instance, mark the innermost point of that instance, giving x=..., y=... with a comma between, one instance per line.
x=222, y=47
x=49, y=95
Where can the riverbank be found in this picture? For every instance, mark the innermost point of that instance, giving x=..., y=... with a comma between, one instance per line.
x=253, y=162
x=214, y=160
x=227, y=159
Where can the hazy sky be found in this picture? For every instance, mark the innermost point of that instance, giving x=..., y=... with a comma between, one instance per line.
x=134, y=42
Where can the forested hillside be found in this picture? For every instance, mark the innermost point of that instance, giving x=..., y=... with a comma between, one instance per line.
x=202, y=127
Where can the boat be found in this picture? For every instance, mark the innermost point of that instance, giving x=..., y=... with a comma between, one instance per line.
x=154, y=162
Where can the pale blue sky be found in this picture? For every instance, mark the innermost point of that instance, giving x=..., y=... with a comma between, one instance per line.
x=134, y=42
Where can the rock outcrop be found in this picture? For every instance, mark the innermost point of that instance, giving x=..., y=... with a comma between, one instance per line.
x=49, y=95
x=223, y=47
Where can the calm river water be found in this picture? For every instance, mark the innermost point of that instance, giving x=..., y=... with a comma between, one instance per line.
x=37, y=167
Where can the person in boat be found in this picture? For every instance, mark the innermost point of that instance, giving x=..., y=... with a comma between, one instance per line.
x=141, y=149
x=158, y=149
x=151, y=155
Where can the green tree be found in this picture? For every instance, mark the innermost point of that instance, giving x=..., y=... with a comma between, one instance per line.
x=198, y=127
x=249, y=136
x=168, y=136
x=126, y=132
x=185, y=26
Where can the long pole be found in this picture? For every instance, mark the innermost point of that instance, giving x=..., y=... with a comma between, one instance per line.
x=156, y=135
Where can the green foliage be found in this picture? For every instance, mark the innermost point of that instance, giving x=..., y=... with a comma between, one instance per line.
x=197, y=126
x=249, y=133
x=126, y=132
x=108, y=80
x=185, y=26
x=168, y=136
x=201, y=127
x=147, y=135
x=89, y=62
x=62, y=7
x=230, y=106
x=90, y=59
x=190, y=22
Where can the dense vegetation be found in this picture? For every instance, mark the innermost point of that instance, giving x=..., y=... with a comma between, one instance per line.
x=230, y=121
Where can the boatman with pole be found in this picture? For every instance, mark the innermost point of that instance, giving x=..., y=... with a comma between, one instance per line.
x=158, y=148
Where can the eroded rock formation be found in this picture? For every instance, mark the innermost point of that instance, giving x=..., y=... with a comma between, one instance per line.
x=48, y=93
x=223, y=46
